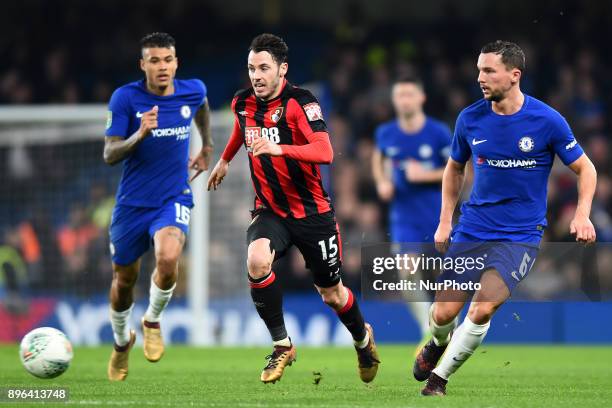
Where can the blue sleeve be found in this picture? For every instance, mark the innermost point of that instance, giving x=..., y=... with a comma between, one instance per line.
x=118, y=115
x=563, y=142
x=444, y=144
x=203, y=90
x=460, y=147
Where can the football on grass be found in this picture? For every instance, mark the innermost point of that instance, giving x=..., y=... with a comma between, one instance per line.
x=45, y=352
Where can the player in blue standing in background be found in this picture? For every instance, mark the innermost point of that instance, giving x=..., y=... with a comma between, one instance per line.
x=407, y=165
x=148, y=128
x=512, y=139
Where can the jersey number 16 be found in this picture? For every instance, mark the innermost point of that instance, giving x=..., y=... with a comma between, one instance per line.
x=183, y=214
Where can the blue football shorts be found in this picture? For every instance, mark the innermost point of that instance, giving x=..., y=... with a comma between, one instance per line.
x=132, y=228
x=472, y=256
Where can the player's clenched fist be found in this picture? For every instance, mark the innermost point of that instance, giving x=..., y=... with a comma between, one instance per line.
x=148, y=121
x=442, y=236
x=583, y=229
x=385, y=190
x=264, y=146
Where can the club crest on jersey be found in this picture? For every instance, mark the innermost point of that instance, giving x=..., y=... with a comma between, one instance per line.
x=526, y=144
x=425, y=151
x=250, y=134
x=313, y=111
x=276, y=114
x=185, y=111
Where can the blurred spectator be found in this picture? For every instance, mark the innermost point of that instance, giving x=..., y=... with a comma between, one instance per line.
x=101, y=204
x=588, y=107
x=75, y=238
x=13, y=274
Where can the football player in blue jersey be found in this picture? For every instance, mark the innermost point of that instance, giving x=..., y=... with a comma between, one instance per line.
x=512, y=139
x=407, y=165
x=148, y=129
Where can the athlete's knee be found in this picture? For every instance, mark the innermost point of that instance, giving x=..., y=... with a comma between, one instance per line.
x=166, y=259
x=259, y=264
x=333, y=300
x=443, y=313
x=167, y=263
x=259, y=258
x=482, y=312
x=168, y=247
x=334, y=297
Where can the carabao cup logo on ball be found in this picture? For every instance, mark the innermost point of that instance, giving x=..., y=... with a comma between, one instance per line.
x=45, y=352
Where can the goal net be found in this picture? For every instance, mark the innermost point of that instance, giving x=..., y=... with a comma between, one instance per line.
x=57, y=196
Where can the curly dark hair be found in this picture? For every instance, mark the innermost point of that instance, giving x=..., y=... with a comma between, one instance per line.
x=275, y=45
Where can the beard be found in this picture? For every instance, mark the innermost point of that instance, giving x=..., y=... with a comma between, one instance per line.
x=495, y=96
x=408, y=114
x=271, y=89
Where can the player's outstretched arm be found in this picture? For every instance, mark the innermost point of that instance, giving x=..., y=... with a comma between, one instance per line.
x=217, y=174
x=581, y=225
x=201, y=161
x=233, y=145
x=117, y=148
x=452, y=183
x=384, y=186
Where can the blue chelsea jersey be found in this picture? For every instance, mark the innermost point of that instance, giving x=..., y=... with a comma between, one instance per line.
x=157, y=169
x=415, y=206
x=512, y=157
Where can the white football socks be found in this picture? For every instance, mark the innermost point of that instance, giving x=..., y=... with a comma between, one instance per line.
x=158, y=299
x=286, y=342
x=462, y=345
x=120, y=324
x=361, y=344
x=440, y=333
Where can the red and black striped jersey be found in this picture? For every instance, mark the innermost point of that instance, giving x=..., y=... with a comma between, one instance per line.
x=285, y=185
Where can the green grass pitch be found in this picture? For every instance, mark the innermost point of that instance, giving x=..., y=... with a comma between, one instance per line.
x=496, y=376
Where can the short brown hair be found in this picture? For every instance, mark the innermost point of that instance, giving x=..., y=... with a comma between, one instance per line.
x=512, y=55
